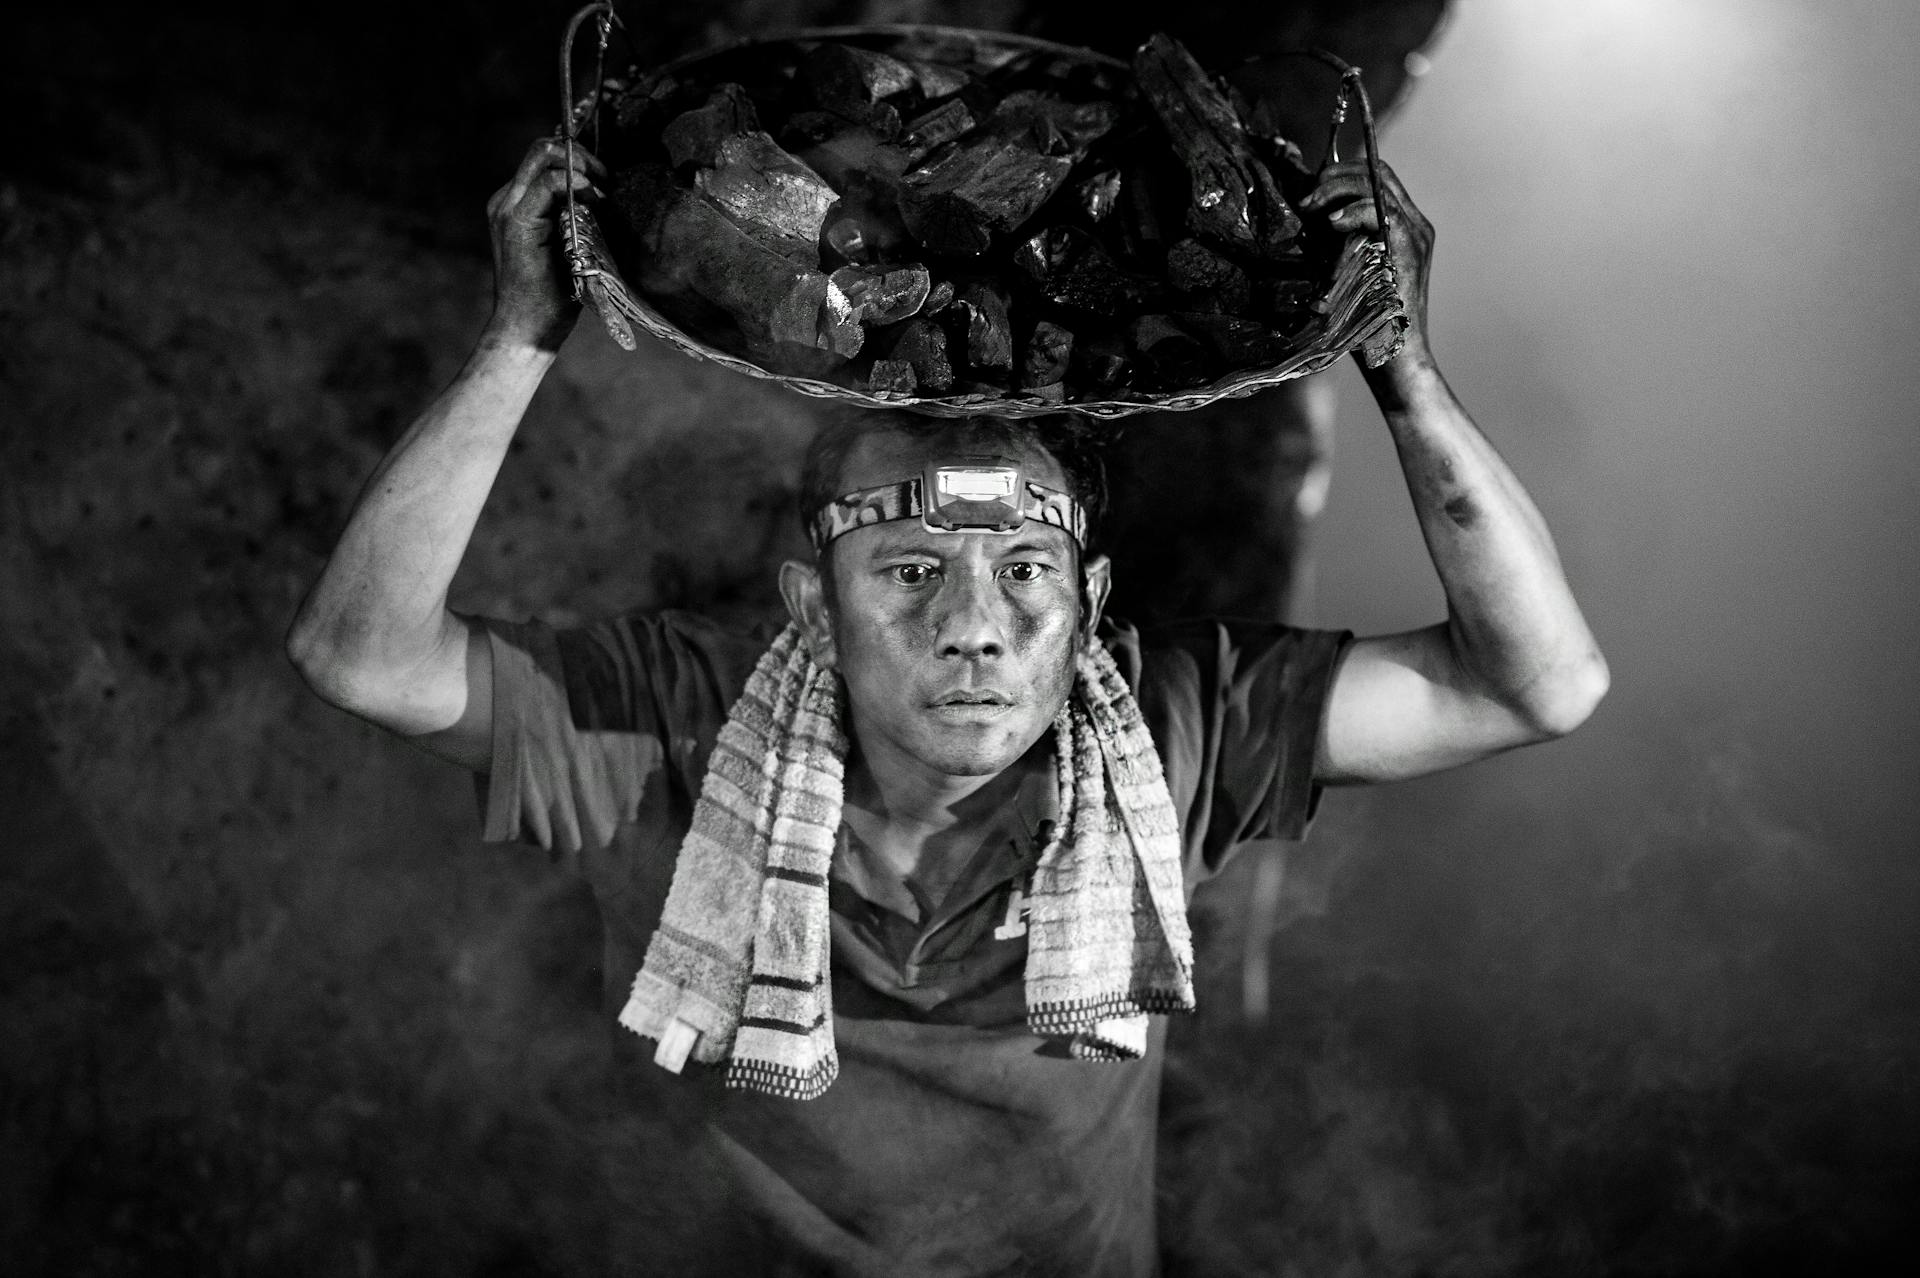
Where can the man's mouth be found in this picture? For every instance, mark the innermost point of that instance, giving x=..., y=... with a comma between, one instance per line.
x=973, y=697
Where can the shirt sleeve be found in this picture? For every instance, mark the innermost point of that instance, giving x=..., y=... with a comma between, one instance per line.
x=1236, y=708
x=590, y=724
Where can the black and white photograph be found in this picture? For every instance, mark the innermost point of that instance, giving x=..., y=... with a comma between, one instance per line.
x=912, y=639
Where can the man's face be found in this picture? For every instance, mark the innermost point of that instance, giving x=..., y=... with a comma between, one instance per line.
x=957, y=648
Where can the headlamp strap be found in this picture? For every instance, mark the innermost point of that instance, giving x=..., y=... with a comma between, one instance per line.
x=978, y=495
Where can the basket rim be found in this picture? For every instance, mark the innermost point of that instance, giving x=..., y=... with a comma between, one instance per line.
x=797, y=35
x=1364, y=266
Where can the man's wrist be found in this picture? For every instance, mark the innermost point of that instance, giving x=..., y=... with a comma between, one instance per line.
x=516, y=337
x=1407, y=379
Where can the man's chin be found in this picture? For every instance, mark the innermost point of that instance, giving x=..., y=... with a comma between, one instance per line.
x=979, y=753
x=980, y=762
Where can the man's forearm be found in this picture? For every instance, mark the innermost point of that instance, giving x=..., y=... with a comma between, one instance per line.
x=1515, y=630
x=374, y=634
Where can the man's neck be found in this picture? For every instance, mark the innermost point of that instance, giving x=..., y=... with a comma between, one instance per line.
x=917, y=821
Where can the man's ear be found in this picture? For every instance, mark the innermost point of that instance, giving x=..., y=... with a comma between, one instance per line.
x=806, y=595
x=1096, y=578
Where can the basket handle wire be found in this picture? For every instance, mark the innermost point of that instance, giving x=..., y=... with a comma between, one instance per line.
x=1352, y=87
x=594, y=282
x=575, y=113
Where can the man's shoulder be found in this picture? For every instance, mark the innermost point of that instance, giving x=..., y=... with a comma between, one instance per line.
x=1184, y=641
x=1209, y=636
x=1174, y=663
x=633, y=667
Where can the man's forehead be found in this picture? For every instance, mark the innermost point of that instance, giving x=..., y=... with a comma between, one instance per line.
x=910, y=536
x=886, y=457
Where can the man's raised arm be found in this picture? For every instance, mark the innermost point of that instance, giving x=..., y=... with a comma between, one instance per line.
x=1514, y=663
x=374, y=635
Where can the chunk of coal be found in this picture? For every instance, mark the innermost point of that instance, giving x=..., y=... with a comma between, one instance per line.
x=934, y=128
x=1098, y=194
x=989, y=331
x=894, y=375
x=877, y=295
x=840, y=329
x=1234, y=200
x=636, y=106
x=771, y=194
x=1167, y=354
x=1049, y=352
x=1210, y=281
x=852, y=82
x=1102, y=361
x=865, y=227
x=957, y=203
x=1261, y=119
x=846, y=79
x=693, y=247
x=923, y=344
x=1073, y=270
x=938, y=79
x=1140, y=229
x=1034, y=257
x=694, y=137
x=1052, y=125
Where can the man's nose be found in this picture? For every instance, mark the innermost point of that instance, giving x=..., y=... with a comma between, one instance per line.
x=970, y=625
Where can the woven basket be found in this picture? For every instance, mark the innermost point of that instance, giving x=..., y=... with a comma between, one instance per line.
x=1360, y=306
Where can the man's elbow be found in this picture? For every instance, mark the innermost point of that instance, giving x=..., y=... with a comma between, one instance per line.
x=422, y=693
x=1561, y=701
x=324, y=668
x=335, y=666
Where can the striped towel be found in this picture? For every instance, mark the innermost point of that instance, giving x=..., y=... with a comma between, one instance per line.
x=737, y=972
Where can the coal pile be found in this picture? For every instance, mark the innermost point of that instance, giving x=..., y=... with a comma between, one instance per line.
x=937, y=215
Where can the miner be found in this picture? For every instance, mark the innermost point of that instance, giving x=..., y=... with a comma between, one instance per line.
x=895, y=901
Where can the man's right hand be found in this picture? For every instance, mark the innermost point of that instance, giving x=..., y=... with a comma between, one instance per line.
x=532, y=296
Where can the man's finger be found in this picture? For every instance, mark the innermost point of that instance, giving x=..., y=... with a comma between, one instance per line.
x=556, y=180
x=1361, y=215
x=535, y=199
x=583, y=158
x=585, y=168
x=1332, y=190
x=1391, y=186
x=1350, y=189
x=547, y=187
x=544, y=152
x=1348, y=172
x=556, y=152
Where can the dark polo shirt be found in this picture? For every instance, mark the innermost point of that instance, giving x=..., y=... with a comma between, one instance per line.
x=954, y=1141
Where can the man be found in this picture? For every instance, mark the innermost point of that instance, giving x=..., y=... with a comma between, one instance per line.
x=899, y=900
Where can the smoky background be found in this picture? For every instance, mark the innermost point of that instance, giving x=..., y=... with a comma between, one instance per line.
x=1639, y=1002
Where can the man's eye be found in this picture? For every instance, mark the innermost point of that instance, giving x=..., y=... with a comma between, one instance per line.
x=913, y=574
x=1025, y=571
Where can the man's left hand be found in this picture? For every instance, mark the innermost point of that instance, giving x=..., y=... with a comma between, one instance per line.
x=1345, y=197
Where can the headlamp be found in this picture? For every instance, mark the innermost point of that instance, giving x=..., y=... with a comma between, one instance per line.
x=968, y=494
